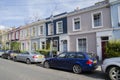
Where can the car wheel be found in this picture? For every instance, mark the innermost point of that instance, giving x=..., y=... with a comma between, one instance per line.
x=2, y=56
x=28, y=61
x=114, y=73
x=77, y=69
x=46, y=64
x=8, y=57
x=15, y=59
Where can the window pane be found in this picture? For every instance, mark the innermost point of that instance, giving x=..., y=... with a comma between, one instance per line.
x=97, y=19
x=55, y=45
x=43, y=45
x=60, y=27
x=77, y=23
x=119, y=13
x=82, y=45
x=33, y=31
x=50, y=29
x=41, y=29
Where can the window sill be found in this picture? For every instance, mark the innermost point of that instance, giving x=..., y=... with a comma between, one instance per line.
x=95, y=27
x=77, y=30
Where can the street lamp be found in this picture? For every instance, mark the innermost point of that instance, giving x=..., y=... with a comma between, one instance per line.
x=51, y=41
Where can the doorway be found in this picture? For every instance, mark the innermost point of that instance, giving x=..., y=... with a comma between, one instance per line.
x=64, y=45
x=104, y=41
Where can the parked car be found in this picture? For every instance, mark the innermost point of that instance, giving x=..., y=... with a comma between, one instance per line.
x=14, y=54
x=29, y=57
x=111, y=67
x=7, y=54
x=74, y=61
x=1, y=52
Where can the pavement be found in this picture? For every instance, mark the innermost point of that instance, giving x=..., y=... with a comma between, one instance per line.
x=10, y=70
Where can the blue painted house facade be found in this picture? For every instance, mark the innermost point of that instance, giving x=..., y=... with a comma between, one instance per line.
x=115, y=18
x=55, y=29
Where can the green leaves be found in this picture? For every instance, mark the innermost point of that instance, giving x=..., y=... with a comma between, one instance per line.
x=113, y=48
x=15, y=45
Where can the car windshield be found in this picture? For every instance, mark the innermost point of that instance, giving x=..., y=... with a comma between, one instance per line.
x=35, y=52
x=9, y=51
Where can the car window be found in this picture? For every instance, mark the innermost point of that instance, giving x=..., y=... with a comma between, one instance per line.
x=35, y=53
x=80, y=56
x=9, y=51
x=26, y=53
x=92, y=55
x=63, y=55
x=2, y=51
x=71, y=55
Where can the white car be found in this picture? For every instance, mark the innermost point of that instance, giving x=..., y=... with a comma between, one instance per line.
x=29, y=57
x=111, y=67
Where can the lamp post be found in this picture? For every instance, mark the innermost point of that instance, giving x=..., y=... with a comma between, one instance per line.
x=51, y=41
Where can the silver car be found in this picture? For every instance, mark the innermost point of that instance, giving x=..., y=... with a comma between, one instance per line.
x=29, y=57
x=1, y=52
x=111, y=66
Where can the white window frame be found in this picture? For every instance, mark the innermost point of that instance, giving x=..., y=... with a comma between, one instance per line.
x=36, y=45
x=43, y=45
x=119, y=14
x=24, y=32
x=57, y=31
x=93, y=19
x=49, y=28
x=16, y=36
x=74, y=24
x=57, y=44
x=28, y=31
x=33, y=28
x=86, y=43
x=40, y=29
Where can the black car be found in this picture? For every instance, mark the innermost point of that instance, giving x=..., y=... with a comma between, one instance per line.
x=7, y=54
x=2, y=52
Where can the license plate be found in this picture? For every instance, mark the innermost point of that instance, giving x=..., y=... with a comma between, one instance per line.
x=95, y=61
x=40, y=56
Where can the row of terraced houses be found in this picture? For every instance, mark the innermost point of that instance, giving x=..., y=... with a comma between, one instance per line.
x=86, y=29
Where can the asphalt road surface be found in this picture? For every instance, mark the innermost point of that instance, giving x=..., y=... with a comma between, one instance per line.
x=10, y=70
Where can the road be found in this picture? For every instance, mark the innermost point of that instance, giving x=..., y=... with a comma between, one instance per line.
x=10, y=70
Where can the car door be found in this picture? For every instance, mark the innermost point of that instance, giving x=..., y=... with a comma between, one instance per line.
x=61, y=60
x=20, y=57
x=80, y=59
x=57, y=61
x=69, y=60
x=25, y=56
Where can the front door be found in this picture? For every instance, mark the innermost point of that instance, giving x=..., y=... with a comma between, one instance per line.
x=104, y=41
x=64, y=45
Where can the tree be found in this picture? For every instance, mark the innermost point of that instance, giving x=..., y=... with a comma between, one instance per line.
x=15, y=45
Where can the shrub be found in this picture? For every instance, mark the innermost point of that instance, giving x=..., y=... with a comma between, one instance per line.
x=47, y=52
x=15, y=45
x=113, y=49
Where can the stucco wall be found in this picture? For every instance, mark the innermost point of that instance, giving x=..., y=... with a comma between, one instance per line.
x=86, y=20
x=91, y=42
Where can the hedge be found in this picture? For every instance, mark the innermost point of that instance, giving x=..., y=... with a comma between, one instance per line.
x=113, y=49
x=47, y=52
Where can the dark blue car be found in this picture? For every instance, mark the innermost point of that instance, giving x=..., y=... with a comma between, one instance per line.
x=74, y=61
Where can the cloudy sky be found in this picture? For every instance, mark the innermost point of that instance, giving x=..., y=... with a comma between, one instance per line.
x=20, y=12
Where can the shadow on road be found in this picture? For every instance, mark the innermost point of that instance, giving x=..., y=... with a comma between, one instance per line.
x=98, y=75
x=39, y=64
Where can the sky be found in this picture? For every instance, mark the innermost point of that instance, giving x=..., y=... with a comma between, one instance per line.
x=15, y=13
